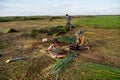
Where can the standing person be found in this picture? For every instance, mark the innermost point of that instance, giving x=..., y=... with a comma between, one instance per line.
x=68, y=18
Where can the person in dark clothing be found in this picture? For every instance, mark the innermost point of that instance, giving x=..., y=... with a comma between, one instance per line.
x=1, y=55
x=68, y=18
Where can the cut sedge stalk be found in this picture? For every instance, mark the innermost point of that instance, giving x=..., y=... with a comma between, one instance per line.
x=56, y=68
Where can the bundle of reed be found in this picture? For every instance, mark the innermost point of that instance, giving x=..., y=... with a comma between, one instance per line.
x=60, y=65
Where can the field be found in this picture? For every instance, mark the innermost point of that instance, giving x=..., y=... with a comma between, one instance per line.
x=101, y=62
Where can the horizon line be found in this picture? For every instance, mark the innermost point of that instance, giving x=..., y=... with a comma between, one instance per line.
x=64, y=15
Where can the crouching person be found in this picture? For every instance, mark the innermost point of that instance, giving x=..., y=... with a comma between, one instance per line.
x=54, y=51
x=81, y=43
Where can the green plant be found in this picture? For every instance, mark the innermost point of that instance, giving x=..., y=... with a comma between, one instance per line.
x=67, y=39
x=59, y=66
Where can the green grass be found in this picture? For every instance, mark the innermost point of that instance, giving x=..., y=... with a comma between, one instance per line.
x=93, y=71
x=109, y=22
x=66, y=39
x=4, y=31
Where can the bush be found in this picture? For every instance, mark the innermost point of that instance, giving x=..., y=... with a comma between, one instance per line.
x=24, y=18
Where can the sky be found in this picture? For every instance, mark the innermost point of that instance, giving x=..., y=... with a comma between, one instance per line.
x=59, y=7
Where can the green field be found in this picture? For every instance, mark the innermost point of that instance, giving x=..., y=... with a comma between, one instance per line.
x=101, y=62
x=109, y=22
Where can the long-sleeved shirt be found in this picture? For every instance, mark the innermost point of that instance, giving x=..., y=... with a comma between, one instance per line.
x=68, y=19
x=80, y=40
